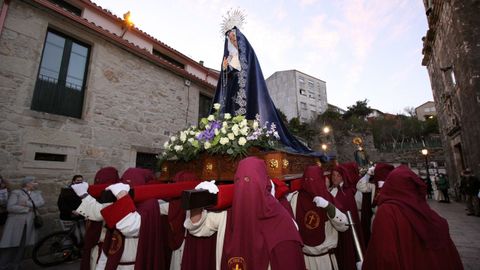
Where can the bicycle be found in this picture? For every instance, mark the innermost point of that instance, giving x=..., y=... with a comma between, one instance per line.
x=60, y=246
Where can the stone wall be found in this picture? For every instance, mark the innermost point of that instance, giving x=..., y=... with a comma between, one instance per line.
x=344, y=150
x=130, y=105
x=452, y=58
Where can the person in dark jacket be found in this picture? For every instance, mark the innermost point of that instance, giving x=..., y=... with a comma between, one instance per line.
x=443, y=186
x=68, y=201
x=472, y=188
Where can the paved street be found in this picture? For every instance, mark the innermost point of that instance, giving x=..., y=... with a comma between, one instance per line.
x=465, y=232
x=30, y=265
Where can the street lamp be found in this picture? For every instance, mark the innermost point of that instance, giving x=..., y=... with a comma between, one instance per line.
x=127, y=18
x=127, y=23
x=324, y=147
x=326, y=129
x=425, y=154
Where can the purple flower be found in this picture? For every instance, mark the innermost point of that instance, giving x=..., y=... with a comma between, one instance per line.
x=209, y=134
x=215, y=125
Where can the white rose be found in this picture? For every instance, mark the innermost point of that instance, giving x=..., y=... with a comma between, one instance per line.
x=227, y=116
x=178, y=148
x=255, y=124
x=235, y=129
x=244, y=131
x=173, y=138
x=242, y=141
x=183, y=136
x=224, y=140
x=223, y=130
x=231, y=136
x=207, y=145
x=224, y=124
x=192, y=132
x=216, y=106
x=216, y=131
x=190, y=140
x=166, y=145
x=243, y=123
x=211, y=118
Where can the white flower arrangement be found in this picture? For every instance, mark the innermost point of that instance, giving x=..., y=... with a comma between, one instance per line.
x=227, y=135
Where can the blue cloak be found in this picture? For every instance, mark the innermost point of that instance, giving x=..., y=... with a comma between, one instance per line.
x=245, y=92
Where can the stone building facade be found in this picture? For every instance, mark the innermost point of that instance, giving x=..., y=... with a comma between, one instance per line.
x=451, y=54
x=134, y=93
x=298, y=94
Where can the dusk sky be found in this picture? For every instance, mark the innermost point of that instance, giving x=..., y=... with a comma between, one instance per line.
x=363, y=49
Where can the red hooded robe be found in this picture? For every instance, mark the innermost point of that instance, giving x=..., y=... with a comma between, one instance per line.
x=259, y=231
x=152, y=249
x=345, y=198
x=93, y=229
x=198, y=252
x=407, y=233
x=310, y=218
x=380, y=174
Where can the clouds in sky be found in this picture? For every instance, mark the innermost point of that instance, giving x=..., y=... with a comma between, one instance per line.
x=361, y=48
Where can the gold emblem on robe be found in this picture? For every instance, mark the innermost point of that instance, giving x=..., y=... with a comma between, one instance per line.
x=311, y=220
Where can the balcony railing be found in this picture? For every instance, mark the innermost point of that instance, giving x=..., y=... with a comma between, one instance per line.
x=58, y=97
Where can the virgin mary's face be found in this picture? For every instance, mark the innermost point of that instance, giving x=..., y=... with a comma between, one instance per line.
x=233, y=38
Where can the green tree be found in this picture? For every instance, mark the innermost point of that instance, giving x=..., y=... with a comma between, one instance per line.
x=305, y=131
x=431, y=126
x=359, y=110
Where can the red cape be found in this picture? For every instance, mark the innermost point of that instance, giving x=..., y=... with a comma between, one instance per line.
x=259, y=230
x=345, y=198
x=407, y=233
x=394, y=245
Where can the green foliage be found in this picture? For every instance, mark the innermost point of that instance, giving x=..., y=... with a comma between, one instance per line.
x=331, y=116
x=306, y=131
x=395, y=132
x=431, y=126
x=220, y=134
x=388, y=132
x=358, y=110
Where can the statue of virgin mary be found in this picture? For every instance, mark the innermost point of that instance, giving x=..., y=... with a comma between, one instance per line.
x=241, y=89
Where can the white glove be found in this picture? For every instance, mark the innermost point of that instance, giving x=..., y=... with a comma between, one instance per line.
x=117, y=188
x=208, y=185
x=371, y=170
x=381, y=183
x=273, y=189
x=359, y=265
x=320, y=202
x=80, y=188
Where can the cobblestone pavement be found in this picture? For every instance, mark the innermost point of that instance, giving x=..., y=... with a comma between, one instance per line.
x=464, y=230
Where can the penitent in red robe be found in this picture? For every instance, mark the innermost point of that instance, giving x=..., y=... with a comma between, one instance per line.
x=406, y=233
